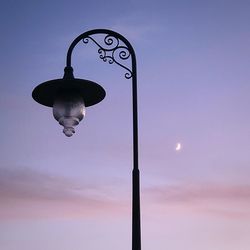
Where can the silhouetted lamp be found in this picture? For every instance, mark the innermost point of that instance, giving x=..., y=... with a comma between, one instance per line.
x=69, y=96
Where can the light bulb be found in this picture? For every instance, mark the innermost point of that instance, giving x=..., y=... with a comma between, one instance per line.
x=68, y=110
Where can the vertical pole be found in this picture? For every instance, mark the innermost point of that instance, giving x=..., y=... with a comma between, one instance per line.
x=136, y=223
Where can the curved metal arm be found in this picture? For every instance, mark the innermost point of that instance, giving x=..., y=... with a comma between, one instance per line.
x=108, y=52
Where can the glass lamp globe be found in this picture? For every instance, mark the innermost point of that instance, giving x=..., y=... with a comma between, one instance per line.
x=69, y=110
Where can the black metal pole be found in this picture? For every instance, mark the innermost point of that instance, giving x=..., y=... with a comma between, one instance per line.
x=136, y=217
x=85, y=37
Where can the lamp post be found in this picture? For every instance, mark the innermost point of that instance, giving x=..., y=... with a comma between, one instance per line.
x=69, y=96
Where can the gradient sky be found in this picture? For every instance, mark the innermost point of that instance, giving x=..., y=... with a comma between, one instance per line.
x=193, y=87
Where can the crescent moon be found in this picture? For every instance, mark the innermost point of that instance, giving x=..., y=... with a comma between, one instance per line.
x=178, y=147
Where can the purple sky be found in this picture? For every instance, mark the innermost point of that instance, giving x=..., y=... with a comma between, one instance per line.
x=193, y=88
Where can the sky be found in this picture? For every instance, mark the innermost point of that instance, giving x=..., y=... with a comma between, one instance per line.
x=64, y=193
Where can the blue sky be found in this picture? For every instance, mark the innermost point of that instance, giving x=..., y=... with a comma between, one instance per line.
x=193, y=88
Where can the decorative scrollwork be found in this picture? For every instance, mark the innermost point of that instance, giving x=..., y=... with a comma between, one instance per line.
x=112, y=52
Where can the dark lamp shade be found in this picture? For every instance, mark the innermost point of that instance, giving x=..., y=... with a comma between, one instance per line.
x=91, y=92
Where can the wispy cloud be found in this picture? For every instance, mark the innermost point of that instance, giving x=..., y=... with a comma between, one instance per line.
x=208, y=198
x=28, y=193
x=184, y=193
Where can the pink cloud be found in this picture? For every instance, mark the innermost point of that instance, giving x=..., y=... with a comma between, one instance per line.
x=211, y=199
x=26, y=193
x=29, y=194
x=187, y=192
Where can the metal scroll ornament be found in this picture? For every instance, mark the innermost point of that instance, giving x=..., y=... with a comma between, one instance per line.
x=112, y=51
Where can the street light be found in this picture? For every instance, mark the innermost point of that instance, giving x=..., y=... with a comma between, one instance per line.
x=69, y=96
